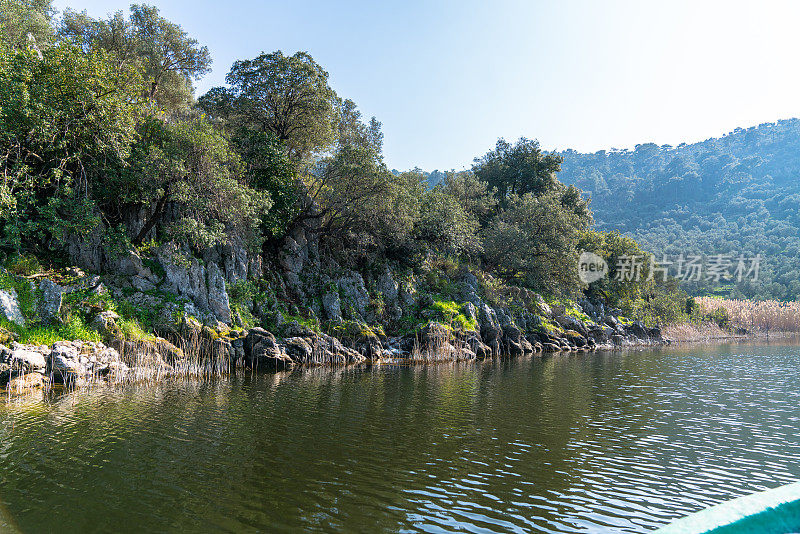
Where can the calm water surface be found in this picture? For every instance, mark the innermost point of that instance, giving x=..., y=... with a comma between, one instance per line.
x=572, y=443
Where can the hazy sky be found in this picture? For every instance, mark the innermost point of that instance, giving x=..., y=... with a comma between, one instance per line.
x=447, y=79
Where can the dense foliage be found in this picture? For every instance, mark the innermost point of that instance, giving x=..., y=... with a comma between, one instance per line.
x=100, y=132
x=734, y=195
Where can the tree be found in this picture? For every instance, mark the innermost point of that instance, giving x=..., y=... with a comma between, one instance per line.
x=533, y=242
x=288, y=96
x=26, y=22
x=61, y=117
x=352, y=131
x=267, y=168
x=167, y=57
x=446, y=226
x=518, y=169
x=344, y=192
x=473, y=195
x=615, y=248
x=190, y=167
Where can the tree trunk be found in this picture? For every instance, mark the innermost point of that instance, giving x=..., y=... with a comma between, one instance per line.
x=151, y=222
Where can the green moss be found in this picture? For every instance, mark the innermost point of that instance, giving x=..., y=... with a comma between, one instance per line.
x=74, y=328
x=155, y=267
x=312, y=322
x=452, y=314
x=548, y=327
x=357, y=330
x=572, y=311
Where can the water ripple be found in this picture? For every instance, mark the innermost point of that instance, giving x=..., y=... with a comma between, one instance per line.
x=569, y=443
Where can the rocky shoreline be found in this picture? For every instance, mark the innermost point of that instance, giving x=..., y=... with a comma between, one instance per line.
x=203, y=351
x=197, y=329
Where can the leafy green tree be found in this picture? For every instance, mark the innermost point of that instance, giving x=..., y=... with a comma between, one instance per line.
x=518, y=169
x=446, y=226
x=267, y=168
x=616, y=249
x=191, y=167
x=534, y=241
x=650, y=297
x=398, y=214
x=345, y=192
x=352, y=131
x=61, y=117
x=166, y=56
x=26, y=22
x=288, y=96
x=474, y=195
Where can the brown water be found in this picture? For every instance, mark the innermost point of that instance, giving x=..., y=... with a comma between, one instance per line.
x=619, y=442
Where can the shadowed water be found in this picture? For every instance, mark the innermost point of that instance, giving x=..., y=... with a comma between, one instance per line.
x=571, y=443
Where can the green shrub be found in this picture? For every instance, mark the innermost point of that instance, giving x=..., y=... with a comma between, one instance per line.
x=74, y=328
x=24, y=265
x=311, y=322
x=452, y=314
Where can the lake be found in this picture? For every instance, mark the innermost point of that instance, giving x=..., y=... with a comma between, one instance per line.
x=605, y=442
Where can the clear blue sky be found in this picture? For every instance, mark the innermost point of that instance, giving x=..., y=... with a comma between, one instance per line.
x=448, y=78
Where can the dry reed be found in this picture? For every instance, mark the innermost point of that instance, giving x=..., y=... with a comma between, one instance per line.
x=756, y=316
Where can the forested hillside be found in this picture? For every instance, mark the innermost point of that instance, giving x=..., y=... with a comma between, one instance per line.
x=737, y=194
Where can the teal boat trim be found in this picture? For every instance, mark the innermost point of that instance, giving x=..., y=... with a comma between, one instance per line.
x=775, y=511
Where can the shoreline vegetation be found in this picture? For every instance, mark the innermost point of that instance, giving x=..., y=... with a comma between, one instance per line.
x=146, y=232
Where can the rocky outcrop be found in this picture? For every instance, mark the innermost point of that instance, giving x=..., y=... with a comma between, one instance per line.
x=50, y=303
x=21, y=359
x=65, y=362
x=188, y=277
x=262, y=350
x=388, y=288
x=9, y=306
x=354, y=296
x=332, y=305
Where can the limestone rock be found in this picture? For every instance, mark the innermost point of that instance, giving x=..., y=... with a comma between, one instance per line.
x=487, y=317
x=218, y=301
x=638, y=330
x=299, y=350
x=332, y=306
x=65, y=364
x=470, y=311
x=389, y=288
x=23, y=359
x=261, y=350
x=492, y=335
x=354, y=294
x=9, y=305
x=50, y=304
x=570, y=323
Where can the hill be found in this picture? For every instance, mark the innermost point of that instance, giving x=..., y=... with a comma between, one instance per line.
x=737, y=194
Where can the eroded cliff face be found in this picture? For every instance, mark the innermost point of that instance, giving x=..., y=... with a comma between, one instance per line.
x=308, y=310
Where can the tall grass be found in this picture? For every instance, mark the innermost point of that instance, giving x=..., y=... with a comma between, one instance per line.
x=758, y=316
x=442, y=348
